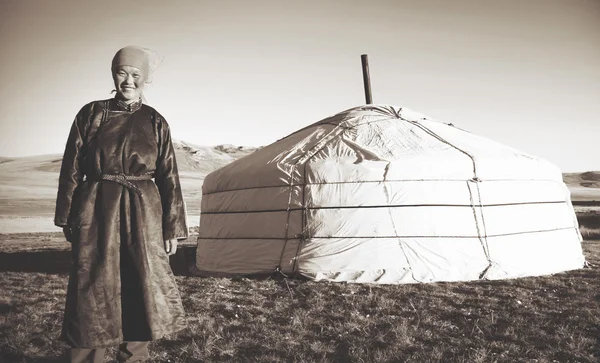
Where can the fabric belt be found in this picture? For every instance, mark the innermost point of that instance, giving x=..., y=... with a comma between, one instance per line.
x=124, y=180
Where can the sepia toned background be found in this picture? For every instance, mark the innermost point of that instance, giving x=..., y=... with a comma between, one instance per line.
x=238, y=75
x=524, y=73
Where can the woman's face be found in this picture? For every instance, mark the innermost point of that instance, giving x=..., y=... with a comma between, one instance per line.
x=129, y=83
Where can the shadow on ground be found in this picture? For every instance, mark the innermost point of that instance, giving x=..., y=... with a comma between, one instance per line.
x=60, y=261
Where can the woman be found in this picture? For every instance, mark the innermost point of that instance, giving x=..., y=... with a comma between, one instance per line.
x=122, y=225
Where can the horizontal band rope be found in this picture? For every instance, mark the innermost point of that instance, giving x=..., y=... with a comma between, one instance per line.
x=373, y=181
x=390, y=237
x=385, y=206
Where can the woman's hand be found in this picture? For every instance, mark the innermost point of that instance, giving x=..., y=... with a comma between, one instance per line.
x=171, y=246
x=68, y=234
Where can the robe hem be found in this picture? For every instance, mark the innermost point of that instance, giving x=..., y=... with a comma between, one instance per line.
x=119, y=340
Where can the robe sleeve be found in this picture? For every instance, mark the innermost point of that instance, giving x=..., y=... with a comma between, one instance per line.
x=70, y=173
x=167, y=180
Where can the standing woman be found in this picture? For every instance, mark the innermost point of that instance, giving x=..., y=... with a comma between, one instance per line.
x=122, y=225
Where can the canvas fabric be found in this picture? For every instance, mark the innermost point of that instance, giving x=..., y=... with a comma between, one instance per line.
x=383, y=194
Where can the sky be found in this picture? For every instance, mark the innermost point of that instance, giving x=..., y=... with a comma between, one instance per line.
x=525, y=73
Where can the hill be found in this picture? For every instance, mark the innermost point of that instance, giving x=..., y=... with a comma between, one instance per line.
x=28, y=184
x=583, y=186
x=205, y=159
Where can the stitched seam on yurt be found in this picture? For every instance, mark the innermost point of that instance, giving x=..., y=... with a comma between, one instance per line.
x=302, y=224
x=389, y=237
x=287, y=221
x=481, y=241
x=304, y=160
x=412, y=272
x=330, y=135
x=483, y=223
x=311, y=153
x=475, y=179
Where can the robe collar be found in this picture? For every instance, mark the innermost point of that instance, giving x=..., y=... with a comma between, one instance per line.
x=132, y=107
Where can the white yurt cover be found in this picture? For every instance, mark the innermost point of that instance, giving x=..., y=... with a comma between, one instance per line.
x=382, y=194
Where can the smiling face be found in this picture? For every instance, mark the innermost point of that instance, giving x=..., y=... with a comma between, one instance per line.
x=129, y=83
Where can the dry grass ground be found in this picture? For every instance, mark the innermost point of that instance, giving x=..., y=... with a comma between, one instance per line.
x=589, y=223
x=541, y=319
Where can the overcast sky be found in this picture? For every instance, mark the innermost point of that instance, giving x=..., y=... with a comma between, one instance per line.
x=522, y=72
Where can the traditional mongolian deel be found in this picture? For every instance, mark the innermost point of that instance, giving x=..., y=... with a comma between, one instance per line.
x=382, y=194
x=121, y=287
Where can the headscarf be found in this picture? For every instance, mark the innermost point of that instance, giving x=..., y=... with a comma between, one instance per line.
x=144, y=59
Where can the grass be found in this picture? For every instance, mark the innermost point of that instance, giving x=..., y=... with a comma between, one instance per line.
x=589, y=223
x=539, y=319
x=589, y=233
x=22, y=242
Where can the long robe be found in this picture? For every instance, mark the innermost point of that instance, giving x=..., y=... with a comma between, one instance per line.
x=121, y=287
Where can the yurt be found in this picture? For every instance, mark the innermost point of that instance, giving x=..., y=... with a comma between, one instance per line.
x=382, y=194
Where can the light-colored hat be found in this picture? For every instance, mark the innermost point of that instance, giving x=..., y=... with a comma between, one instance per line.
x=142, y=58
